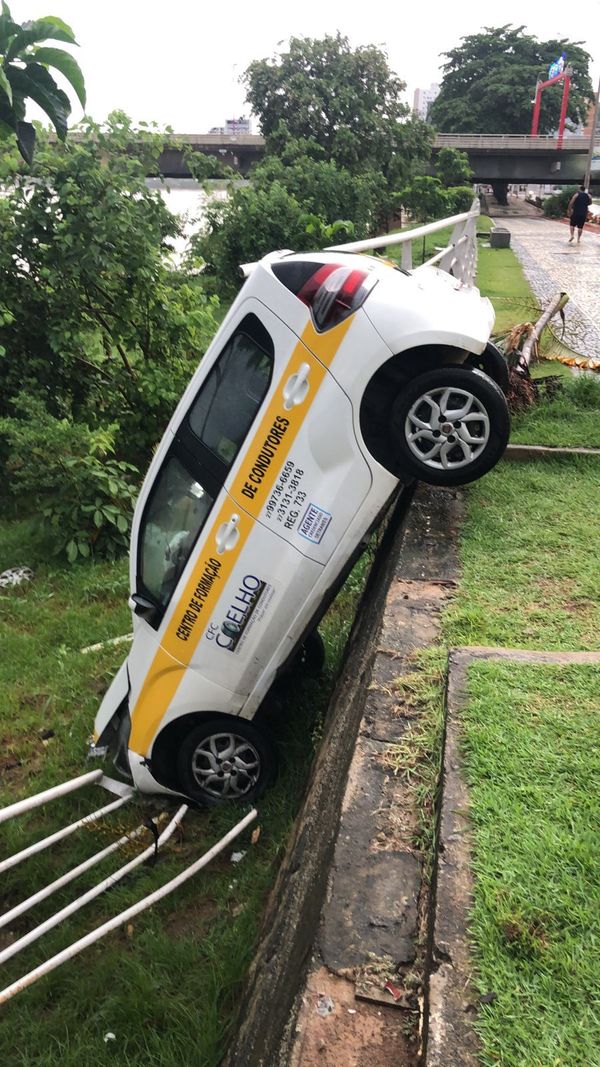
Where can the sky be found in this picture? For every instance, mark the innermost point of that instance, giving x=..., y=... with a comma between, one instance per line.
x=178, y=62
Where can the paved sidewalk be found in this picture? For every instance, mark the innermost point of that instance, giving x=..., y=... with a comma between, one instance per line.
x=552, y=265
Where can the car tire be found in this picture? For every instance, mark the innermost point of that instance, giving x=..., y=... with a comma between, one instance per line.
x=225, y=759
x=435, y=448
x=493, y=363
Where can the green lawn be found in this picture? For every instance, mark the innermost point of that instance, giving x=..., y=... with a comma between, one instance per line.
x=533, y=766
x=500, y=277
x=169, y=986
x=530, y=559
x=570, y=419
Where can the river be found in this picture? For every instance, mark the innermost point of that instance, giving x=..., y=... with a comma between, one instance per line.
x=188, y=199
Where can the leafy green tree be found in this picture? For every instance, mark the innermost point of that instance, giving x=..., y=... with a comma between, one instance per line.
x=459, y=198
x=344, y=103
x=95, y=319
x=490, y=78
x=323, y=187
x=244, y=228
x=25, y=75
x=425, y=198
x=453, y=168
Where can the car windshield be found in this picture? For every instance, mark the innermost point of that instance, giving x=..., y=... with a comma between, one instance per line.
x=172, y=521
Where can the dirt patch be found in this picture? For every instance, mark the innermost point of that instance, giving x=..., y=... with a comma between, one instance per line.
x=183, y=923
x=334, y=1029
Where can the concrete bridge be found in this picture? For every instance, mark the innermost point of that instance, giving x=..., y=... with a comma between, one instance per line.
x=515, y=158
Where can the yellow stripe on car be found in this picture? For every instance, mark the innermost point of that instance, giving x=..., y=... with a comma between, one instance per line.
x=212, y=570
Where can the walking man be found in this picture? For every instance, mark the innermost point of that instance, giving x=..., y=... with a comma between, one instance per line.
x=577, y=211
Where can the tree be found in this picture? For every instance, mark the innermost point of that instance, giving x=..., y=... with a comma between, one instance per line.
x=25, y=75
x=453, y=168
x=242, y=229
x=425, y=198
x=344, y=104
x=94, y=320
x=322, y=187
x=490, y=78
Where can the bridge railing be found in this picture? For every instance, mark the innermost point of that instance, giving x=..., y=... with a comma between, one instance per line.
x=458, y=257
x=511, y=140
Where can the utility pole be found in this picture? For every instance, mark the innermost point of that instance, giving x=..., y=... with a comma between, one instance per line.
x=588, y=169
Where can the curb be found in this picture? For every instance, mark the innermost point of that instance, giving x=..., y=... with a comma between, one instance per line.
x=295, y=902
x=521, y=453
x=451, y=1039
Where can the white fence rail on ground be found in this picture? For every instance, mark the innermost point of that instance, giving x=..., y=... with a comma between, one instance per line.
x=458, y=258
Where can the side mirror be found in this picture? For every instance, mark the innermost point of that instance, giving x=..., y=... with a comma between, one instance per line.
x=140, y=605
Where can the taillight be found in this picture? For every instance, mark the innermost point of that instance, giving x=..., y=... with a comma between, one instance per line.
x=332, y=291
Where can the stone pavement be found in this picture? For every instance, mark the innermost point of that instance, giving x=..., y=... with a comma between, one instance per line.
x=553, y=265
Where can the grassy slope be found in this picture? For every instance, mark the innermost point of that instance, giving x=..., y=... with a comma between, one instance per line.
x=533, y=766
x=169, y=987
x=500, y=277
x=531, y=567
x=571, y=419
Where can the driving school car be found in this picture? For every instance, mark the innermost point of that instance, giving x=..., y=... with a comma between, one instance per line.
x=333, y=378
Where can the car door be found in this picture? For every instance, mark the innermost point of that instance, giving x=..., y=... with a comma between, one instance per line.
x=221, y=588
x=303, y=476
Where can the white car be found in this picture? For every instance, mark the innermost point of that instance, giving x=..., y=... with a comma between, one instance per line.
x=333, y=378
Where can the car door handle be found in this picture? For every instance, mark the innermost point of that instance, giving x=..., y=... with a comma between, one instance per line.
x=296, y=387
x=228, y=535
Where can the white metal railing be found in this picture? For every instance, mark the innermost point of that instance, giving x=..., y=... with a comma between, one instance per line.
x=125, y=793
x=576, y=143
x=458, y=258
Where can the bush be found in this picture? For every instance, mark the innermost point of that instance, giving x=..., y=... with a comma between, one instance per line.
x=460, y=198
x=555, y=207
x=77, y=494
x=90, y=299
x=323, y=188
x=246, y=227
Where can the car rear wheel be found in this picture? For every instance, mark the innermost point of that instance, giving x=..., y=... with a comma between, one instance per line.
x=225, y=759
x=450, y=426
x=491, y=362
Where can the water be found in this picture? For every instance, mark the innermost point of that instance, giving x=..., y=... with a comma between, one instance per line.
x=188, y=199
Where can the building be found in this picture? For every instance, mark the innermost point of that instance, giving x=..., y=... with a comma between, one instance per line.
x=233, y=127
x=423, y=99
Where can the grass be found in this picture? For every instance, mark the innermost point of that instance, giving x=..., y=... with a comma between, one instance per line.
x=570, y=419
x=530, y=575
x=500, y=277
x=533, y=768
x=170, y=982
x=530, y=561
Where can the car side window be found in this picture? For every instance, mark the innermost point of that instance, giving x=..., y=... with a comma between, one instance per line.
x=175, y=515
x=225, y=407
x=197, y=463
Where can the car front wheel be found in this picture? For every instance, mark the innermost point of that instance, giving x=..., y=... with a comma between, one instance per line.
x=493, y=363
x=225, y=759
x=449, y=426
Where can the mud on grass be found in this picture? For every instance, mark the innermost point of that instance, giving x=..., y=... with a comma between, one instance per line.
x=167, y=985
